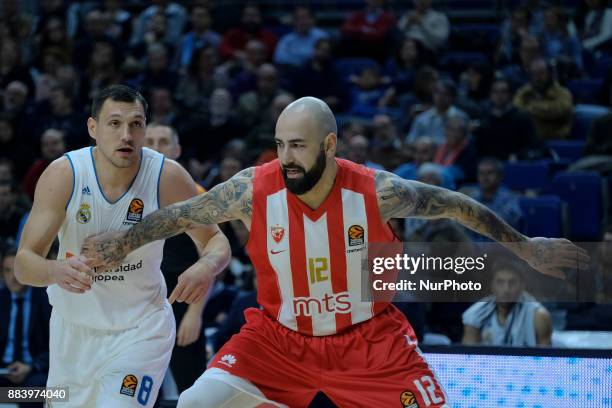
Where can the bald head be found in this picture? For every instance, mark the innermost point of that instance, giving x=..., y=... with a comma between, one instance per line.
x=316, y=112
x=306, y=140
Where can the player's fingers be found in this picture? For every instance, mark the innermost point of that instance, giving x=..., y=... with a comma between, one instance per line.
x=82, y=267
x=176, y=293
x=193, y=296
x=70, y=288
x=179, y=336
x=79, y=284
x=81, y=277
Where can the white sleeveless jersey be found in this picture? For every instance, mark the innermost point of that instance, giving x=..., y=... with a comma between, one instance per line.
x=120, y=297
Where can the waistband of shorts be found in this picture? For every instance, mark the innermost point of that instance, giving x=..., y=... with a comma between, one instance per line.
x=99, y=332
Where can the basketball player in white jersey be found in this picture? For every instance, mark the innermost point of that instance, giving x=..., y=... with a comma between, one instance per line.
x=310, y=214
x=111, y=330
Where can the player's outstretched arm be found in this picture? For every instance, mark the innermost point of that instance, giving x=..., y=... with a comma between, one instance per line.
x=400, y=198
x=176, y=185
x=53, y=191
x=227, y=201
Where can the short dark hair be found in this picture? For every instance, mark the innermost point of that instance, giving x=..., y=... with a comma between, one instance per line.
x=509, y=265
x=499, y=166
x=117, y=93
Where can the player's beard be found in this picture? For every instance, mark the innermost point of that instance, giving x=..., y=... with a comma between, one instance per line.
x=299, y=186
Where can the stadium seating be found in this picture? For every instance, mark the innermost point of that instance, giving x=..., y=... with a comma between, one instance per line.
x=567, y=149
x=584, y=193
x=584, y=114
x=353, y=66
x=585, y=90
x=526, y=175
x=543, y=216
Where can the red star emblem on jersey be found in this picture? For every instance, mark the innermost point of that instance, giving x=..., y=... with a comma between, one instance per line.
x=277, y=233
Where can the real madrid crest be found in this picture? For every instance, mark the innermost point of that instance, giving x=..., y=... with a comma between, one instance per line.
x=83, y=215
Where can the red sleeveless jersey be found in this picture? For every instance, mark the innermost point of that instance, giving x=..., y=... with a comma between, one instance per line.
x=309, y=262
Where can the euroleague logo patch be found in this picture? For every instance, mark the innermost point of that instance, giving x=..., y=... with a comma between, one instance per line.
x=129, y=384
x=356, y=235
x=135, y=210
x=408, y=400
x=83, y=215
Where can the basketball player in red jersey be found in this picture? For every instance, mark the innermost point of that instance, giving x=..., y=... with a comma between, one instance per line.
x=307, y=213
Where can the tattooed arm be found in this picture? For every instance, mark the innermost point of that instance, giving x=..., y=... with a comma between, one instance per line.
x=399, y=198
x=227, y=201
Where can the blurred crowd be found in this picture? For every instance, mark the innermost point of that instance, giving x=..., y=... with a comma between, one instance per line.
x=459, y=102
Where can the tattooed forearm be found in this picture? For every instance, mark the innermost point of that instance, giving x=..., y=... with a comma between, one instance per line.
x=399, y=198
x=226, y=201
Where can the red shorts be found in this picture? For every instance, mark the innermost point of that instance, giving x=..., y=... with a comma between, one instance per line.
x=372, y=364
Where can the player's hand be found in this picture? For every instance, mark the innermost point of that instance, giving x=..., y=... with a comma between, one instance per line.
x=189, y=329
x=73, y=274
x=106, y=250
x=18, y=372
x=194, y=283
x=550, y=255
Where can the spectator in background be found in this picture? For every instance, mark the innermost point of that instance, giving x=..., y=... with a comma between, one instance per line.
x=119, y=21
x=366, y=33
x=423, y=151
x=103, y=70
x=157, y=72
x=261, y=138
x=54, y=35
x=197, y=84
x=95, y=30
x=386, y=145
x=6, y=170
x=513, y=31
x=51, y=59
x=297, y=48
x=598, y=148
x=604, y=274
x=201, y=36
x=548, y=103
x=52, y=146
x=251, y=28
x=430, y=27
x=359, y=151
x=510, y=316
x=240, y=76
x=319, y=77
x=432, y=122
x=156, y=34
x=403, y=67
x=597, y=29
x=163, y=110
x=59, y=113
x=457, y=153
x=495, y=196
x=24, y=330
x=13, y=147
x=189, y=353
x=11, y=66
x=368, y=93
x=559, y=45
x=15, y=103
x=210, y=140
x=253, y=105
x=505, y=131
x=10, y=211
x=175, y=17
x=474, y=88
x=518, y=74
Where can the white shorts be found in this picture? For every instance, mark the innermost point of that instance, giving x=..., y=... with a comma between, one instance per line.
x=117, y=369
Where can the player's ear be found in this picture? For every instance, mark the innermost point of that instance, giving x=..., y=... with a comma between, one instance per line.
x=330, y=144
x=91, y=127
